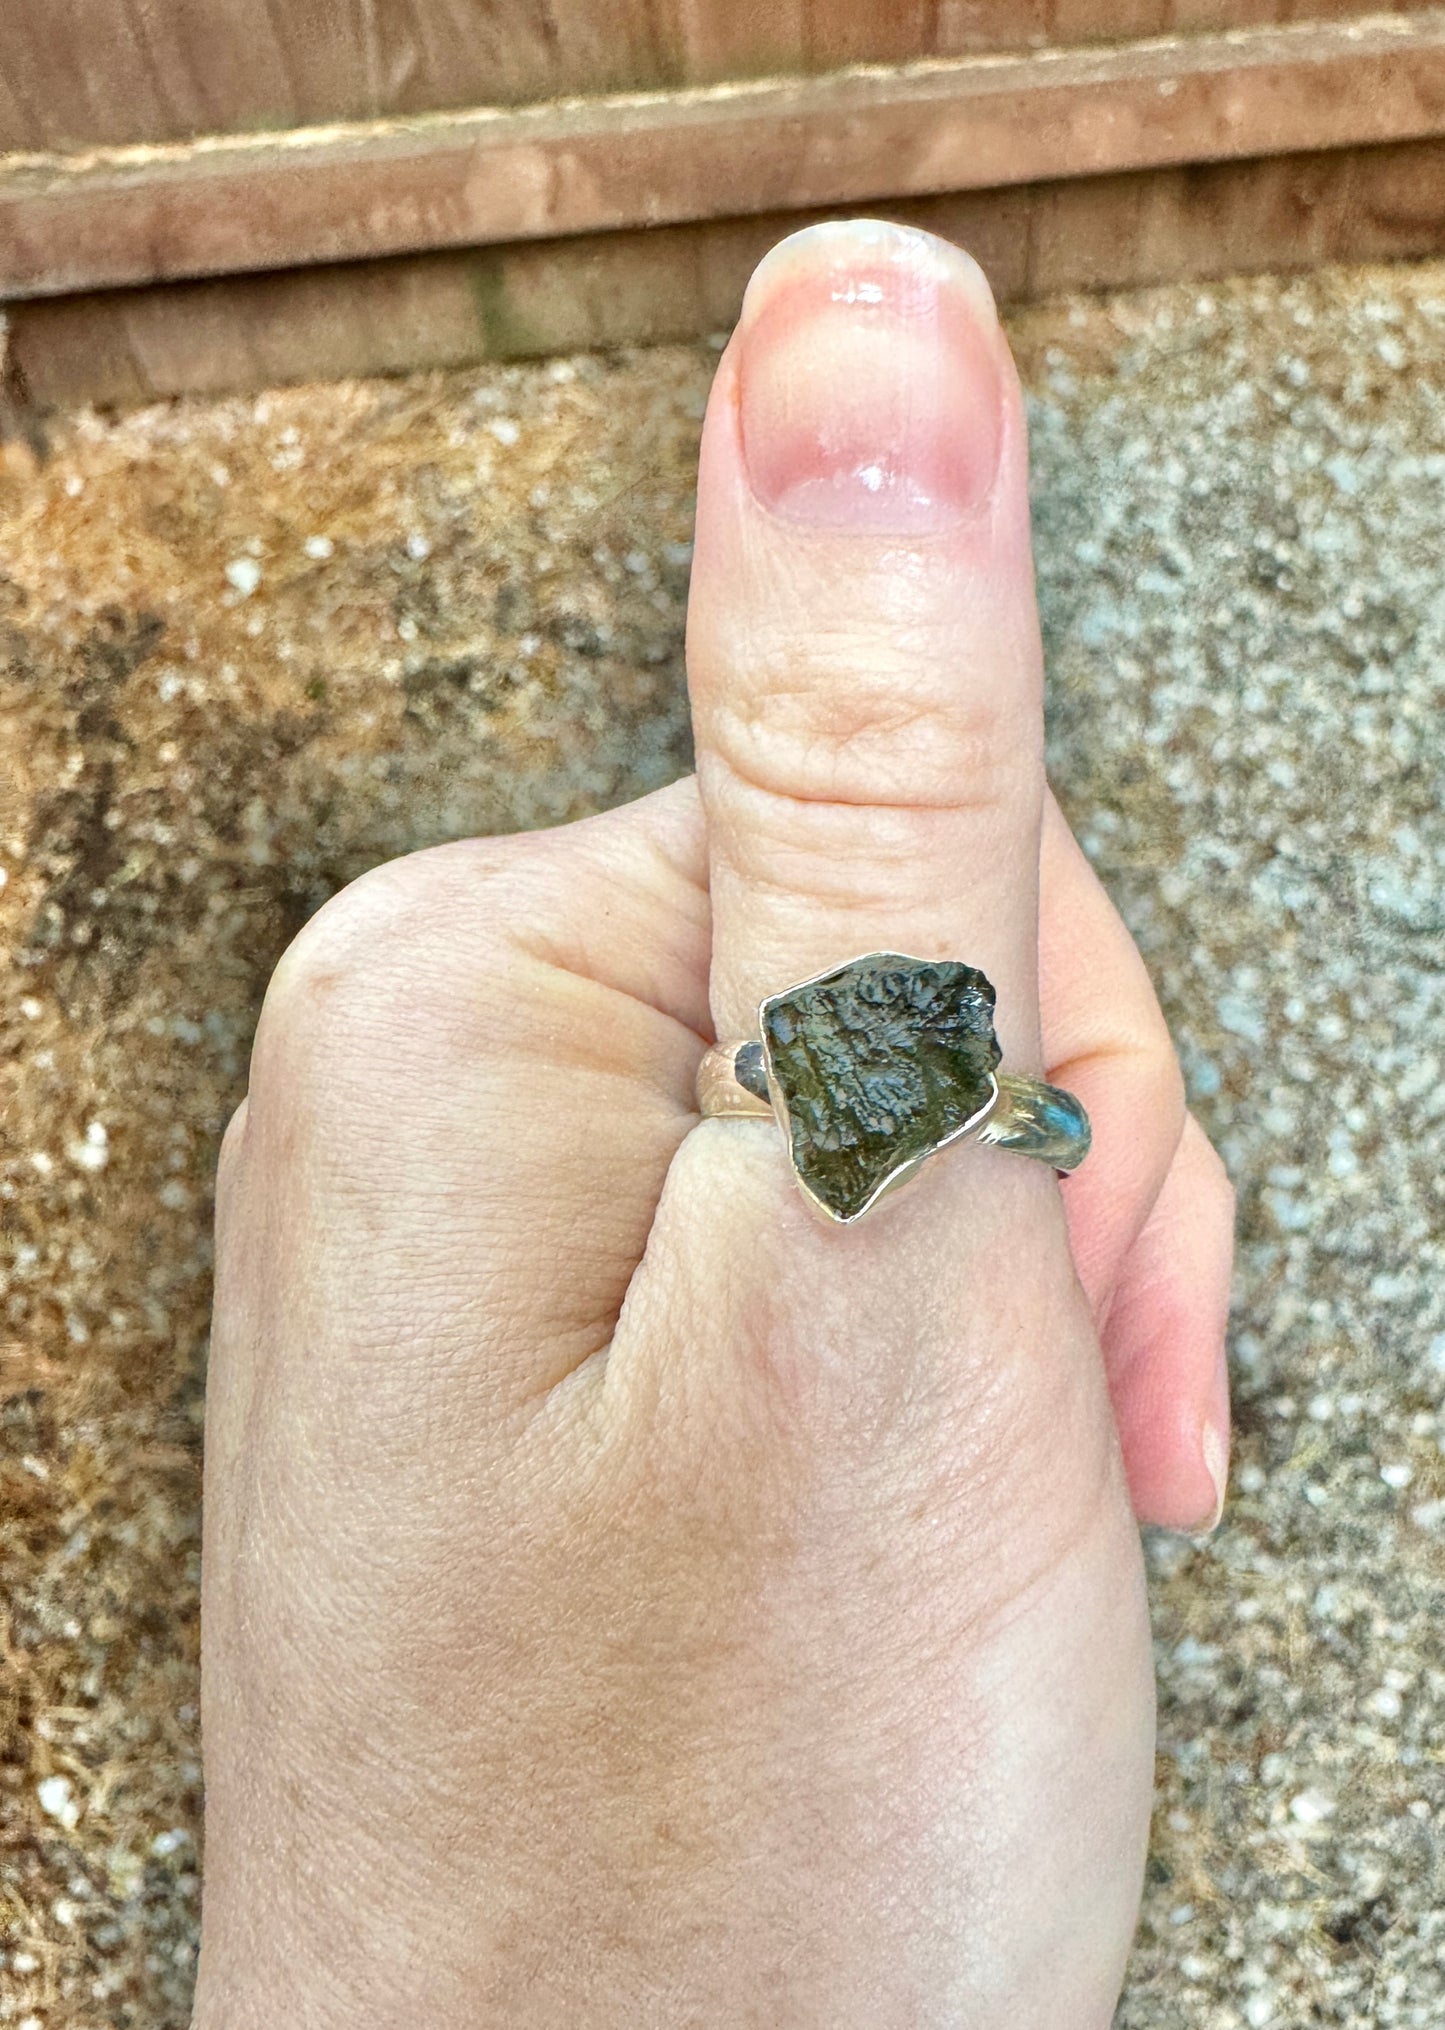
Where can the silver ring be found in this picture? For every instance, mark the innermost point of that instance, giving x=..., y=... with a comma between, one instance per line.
x=871, y=1068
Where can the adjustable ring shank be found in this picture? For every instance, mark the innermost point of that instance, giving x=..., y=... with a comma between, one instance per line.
x=1036, y=1119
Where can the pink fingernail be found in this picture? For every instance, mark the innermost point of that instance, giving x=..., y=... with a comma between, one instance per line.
x=872, y=381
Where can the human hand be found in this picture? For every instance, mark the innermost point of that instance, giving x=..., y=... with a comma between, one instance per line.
x=629, y=1600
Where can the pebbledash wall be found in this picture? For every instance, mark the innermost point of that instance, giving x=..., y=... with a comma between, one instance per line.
x=202, y=194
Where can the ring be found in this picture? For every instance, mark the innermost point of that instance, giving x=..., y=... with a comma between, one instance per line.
x=874, y=1066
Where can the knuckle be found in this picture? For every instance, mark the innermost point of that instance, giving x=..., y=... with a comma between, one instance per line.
x=895, y=722
x=374, y=977
x=331, y=966
x=800, y=846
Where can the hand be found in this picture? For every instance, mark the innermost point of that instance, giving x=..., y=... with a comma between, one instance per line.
x=629, y=1600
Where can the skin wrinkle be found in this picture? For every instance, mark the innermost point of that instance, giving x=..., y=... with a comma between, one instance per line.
x=689, y=1036
x=566, y=1343
x=792, y=787
x=913, y=922
x=778, y=828
x=859, y=754
x=762, y=685
x=571, y=945
x=759, y=826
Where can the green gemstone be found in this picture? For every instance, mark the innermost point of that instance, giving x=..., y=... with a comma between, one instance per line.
x=877, y=1065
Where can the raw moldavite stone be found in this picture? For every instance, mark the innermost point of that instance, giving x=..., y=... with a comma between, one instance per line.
x=877, y=1063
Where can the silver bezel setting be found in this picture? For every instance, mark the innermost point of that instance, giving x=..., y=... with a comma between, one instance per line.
x=905, y=1171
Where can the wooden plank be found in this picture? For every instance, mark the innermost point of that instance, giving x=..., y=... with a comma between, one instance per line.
x=1192, y=17
x=107, y=72
x=83, y=72
x=18, y=126
x=249, y=332
x=87, y=73
x=759, y=38
x=1085, y=20
x=751, y=38
x=116, y=217
x=968, y=26
x=965, y=26
x=451, y=309
x=901, y=32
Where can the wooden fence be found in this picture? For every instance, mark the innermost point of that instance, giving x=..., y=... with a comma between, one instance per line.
x=204, y=193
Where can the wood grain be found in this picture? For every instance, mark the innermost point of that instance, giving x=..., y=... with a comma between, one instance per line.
x=451, y=309
x=82, y=73
x=120, y=217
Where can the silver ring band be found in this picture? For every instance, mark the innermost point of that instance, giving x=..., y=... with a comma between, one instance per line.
x=1029, y=1116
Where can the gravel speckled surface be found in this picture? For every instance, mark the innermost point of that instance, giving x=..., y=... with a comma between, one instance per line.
x=1241, y=572
x=249, y=648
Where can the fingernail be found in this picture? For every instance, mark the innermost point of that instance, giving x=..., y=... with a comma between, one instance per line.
x=871, y=380
x=1215, y=1447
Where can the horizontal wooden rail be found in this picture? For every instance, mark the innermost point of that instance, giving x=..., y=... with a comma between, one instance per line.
x=104, y=73
x=457, y=307
x=234, y=204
